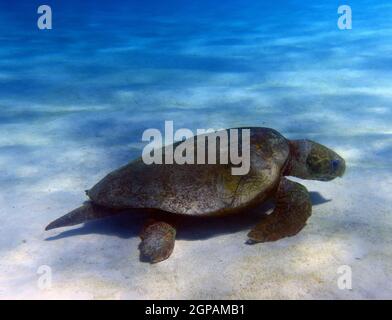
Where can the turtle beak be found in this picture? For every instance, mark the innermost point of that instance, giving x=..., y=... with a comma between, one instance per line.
x=339, y=166
x=342, y=169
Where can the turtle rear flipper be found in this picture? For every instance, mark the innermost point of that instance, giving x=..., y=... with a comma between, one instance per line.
x=88, y=211
x=158, y=239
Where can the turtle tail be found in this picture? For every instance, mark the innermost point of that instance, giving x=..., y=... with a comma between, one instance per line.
x=88, y=211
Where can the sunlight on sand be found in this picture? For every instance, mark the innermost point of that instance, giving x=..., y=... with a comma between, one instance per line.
x=74, y=107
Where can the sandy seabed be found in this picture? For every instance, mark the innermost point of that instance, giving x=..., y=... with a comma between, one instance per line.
x=75, y=102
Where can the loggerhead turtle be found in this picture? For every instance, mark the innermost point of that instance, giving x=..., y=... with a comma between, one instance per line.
x=211, y=189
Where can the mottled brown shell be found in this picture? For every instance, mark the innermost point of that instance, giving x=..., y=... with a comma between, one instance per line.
x=197, y=189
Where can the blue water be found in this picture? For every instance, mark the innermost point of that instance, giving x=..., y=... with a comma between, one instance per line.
x=106, y=72
x=75, y=100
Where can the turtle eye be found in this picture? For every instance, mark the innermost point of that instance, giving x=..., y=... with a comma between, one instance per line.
x=335, y=164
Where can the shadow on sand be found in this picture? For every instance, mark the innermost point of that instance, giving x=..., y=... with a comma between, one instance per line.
x=129, y=224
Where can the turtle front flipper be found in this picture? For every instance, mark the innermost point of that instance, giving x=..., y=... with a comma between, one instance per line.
x=88, y=211
x=157, y=241
x=293, y=208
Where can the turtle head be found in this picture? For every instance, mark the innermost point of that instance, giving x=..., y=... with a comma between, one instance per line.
x=311, y=160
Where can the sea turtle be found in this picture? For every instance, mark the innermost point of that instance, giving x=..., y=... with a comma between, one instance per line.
x=212, y=189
